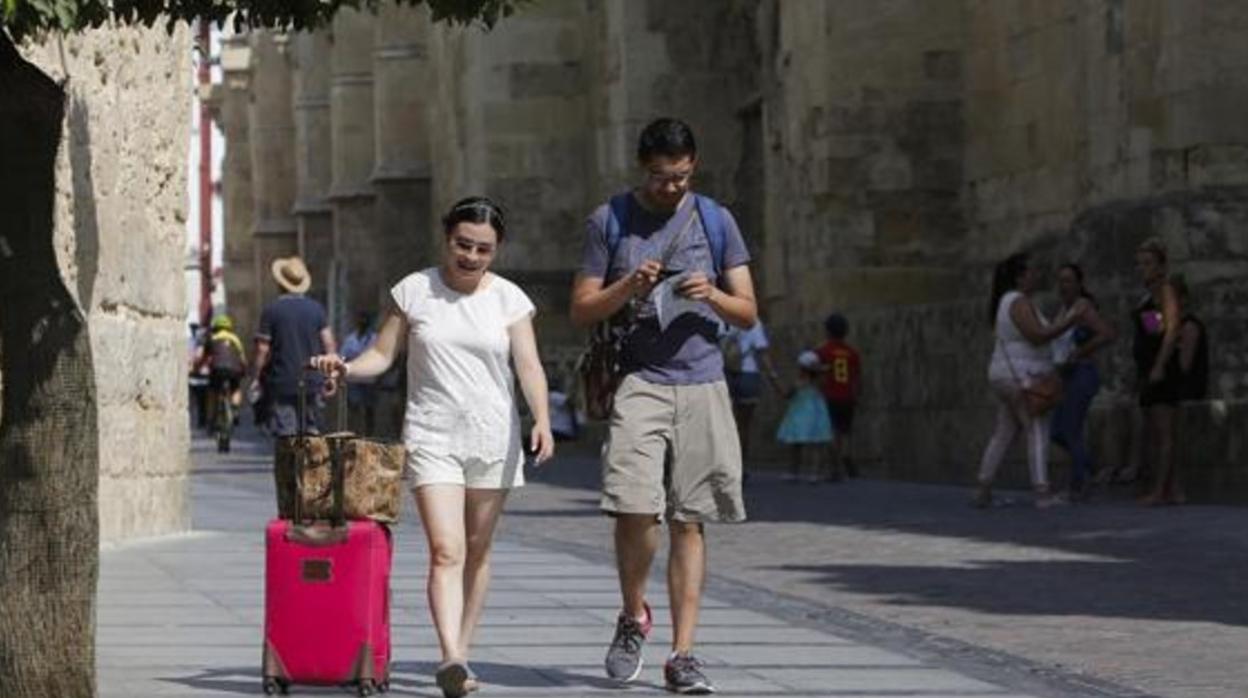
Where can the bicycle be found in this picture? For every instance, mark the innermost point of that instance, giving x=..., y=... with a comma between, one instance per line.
x=222, y=414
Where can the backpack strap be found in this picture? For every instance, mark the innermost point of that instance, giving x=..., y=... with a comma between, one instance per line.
x=713, y=225
x=709, y=211
x=617, y=226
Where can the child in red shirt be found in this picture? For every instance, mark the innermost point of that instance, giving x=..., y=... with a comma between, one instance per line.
x=842, y=381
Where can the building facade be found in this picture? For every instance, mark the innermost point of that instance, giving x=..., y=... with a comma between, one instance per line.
x=881, y=157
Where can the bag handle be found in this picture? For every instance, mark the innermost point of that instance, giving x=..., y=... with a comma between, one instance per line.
x=337, y=468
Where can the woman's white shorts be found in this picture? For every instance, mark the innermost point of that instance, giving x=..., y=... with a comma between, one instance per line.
x=425, y=468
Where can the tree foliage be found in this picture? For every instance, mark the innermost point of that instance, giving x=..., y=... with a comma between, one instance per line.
x=33, y=17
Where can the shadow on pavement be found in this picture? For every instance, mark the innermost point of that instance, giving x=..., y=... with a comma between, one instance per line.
x=1170, y=563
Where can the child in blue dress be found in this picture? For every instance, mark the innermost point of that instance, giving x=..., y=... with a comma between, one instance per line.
x=807, y=426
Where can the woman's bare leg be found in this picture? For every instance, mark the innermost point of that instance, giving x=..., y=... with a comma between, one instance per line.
x=481, y=513
x=442, y=516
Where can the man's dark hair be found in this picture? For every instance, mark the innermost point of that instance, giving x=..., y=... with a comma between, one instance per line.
x=667, y=137
x=836, y=326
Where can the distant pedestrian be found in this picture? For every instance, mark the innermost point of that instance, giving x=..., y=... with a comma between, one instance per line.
x=1074, y=352
x=807, y=427
x=1193, y=346
x=747, y=360
x=1021, y=363
x=361, y=395
x=672, y=454
x=1158, y=321
x=197, y=374
x=465, y=327
x=293, y=328
x=841, y=385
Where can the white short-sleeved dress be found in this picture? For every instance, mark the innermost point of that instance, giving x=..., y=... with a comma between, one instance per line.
x=461, y=425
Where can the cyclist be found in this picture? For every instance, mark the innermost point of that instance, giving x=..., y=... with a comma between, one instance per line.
x=227, y=365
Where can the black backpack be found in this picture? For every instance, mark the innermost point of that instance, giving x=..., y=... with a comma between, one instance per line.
x=225, y=357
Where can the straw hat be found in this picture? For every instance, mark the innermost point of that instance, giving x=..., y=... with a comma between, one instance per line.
x=291, y=274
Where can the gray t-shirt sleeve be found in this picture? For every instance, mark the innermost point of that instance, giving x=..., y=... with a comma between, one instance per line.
x=735, y=252
x=594, y=257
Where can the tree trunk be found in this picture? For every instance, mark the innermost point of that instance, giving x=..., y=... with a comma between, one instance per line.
x=49, y=527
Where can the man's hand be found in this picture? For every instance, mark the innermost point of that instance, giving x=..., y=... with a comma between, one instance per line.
x=697, y=287
x=644, y=277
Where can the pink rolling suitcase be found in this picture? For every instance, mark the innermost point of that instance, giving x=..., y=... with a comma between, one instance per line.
x=327, y=606
x=327, y=600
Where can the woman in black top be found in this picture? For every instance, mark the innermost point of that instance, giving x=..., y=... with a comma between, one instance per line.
x=1157, y=320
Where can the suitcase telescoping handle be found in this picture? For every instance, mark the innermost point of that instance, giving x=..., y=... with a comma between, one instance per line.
x=337, y=472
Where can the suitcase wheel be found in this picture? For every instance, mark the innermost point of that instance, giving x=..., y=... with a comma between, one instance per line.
x=366, y=688
x=275, y=686
x=383, y=687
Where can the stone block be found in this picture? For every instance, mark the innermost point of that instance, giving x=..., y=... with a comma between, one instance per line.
x=528, y=80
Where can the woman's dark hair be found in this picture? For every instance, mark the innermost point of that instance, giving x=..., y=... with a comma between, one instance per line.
x=668, y=137
x=1005, y=279
x=1156, y=248
x=1078, y=272
x=836, y=326
x=476, y=209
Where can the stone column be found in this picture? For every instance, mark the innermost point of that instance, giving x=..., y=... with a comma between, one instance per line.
x=313, y=167
x=272, y=156
x=403, y=85
x=355, y=284
x=242, y=297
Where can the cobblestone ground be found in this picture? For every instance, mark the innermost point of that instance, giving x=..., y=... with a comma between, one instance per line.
x=1103, y=599
x=1151, y=599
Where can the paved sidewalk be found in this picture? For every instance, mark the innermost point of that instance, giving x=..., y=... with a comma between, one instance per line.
x=182, y=616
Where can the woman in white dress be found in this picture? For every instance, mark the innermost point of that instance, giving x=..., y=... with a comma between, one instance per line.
x=462, y=325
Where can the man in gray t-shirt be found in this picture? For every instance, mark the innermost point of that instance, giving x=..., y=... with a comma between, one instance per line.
x=672, y=451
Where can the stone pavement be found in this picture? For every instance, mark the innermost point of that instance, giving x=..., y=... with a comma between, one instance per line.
x=182, y=616
x=1107, y=599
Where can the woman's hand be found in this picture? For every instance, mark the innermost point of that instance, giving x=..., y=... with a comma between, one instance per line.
x=332, y=366
x=541, y=443
x=1157, y=374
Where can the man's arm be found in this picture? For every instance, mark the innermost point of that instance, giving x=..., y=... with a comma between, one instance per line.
x=592, y=303
x=262, y=357
x=327, y=341
x=734, y=303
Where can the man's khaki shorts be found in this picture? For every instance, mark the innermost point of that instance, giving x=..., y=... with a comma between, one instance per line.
x=672, y=451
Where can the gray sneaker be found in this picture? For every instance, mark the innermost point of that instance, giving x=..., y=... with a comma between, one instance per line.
x=683, y=674
x=624, y=656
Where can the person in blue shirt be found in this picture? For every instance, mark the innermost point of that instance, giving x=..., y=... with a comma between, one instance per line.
x=293, y=328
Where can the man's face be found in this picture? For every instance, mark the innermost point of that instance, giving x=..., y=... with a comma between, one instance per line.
x=667, y=179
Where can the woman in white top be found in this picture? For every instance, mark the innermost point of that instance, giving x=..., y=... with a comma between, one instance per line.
x=462, y=325
x=1021, y=355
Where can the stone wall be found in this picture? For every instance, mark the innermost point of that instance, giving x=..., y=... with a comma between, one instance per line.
x=914, y=144
x=880, y=156
x=120, y=237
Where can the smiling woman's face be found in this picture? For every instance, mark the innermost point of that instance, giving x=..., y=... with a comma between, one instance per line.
x=470, y=249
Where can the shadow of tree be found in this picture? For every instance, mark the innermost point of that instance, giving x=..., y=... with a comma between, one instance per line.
x=48, y=435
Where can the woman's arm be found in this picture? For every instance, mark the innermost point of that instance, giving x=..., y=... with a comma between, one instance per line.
x=1171, y=318
x=373, y=361
x=1104, y=333
x=1023, y=313
x=1189, y=337
x=533, y=384
x=763, y=357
